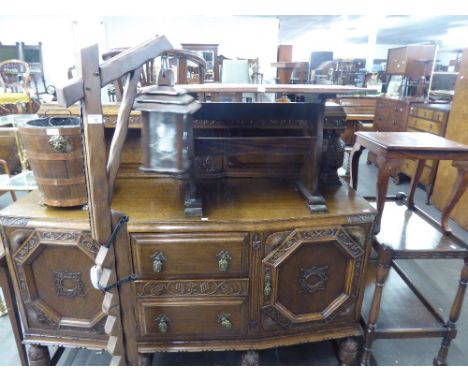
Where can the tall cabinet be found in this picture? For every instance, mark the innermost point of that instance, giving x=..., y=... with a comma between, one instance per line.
x=457, y=131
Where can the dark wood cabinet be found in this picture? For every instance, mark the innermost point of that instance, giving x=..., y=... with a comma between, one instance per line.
x=391, y=114
x=412, y=61
x=431, y=118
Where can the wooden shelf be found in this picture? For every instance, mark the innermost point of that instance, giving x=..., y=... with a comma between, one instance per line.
x=403, y=313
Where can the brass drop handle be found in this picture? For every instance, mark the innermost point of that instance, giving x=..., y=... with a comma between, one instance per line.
x=157, y=258
x=224, y=320
x=59, y=143
x=223, y=260
x=267, y=286
x=163, y=323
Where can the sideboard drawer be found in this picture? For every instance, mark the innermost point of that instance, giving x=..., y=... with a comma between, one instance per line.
x=161, y=255
x=194, y=317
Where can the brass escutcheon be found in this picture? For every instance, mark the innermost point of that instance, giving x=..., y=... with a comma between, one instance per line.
x=157, y=258
x=223, y=263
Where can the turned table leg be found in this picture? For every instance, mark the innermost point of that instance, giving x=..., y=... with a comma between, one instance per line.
x=383, y=269
x=441, y=359
x=348, y=351
x=459, y=188
x=39, y=355
x=145, y=359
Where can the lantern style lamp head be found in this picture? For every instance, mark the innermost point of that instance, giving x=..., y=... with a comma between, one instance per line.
x=167, y=131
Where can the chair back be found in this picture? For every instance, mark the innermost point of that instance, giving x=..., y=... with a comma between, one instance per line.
x=15, y=76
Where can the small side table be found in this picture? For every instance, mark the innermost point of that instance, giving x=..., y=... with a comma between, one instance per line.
x=408, y=233
x=391, y=147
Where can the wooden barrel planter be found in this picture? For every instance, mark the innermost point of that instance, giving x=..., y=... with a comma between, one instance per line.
x=55, y=153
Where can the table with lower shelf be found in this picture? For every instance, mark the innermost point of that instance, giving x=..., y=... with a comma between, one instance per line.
x=402, y=231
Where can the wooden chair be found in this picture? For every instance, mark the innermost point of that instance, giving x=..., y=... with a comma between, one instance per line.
x=400, y=310
x=14, y=81
x=149, y=77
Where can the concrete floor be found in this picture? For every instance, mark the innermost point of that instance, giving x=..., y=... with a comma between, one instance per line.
x=437, y=279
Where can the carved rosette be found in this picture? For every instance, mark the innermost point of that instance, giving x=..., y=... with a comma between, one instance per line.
x=193, y=288
x=30, y=259
x=76, y=287
x=313, y=280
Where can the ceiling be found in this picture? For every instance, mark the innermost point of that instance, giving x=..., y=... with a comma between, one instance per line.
x=392, y=29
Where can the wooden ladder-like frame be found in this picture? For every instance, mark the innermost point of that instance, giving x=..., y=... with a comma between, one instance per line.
x=101, y=174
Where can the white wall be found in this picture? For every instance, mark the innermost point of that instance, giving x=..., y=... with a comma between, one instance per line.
x=62, y=36
x=237, y=36
x=56, y=35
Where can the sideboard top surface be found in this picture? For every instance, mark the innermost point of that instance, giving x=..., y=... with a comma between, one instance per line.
x=149, y=200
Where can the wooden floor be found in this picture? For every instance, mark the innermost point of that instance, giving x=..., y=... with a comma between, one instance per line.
x=437, y=279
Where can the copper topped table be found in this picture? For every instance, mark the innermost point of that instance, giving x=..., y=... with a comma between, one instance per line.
x=391, y=147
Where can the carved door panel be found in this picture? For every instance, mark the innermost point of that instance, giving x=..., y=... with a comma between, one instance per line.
x=52, y=269
x=311, y=277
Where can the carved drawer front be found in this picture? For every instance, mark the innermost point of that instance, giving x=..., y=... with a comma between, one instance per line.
x=160, y=255
x=313, y=276
x=53, y=273
x=193, y=318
